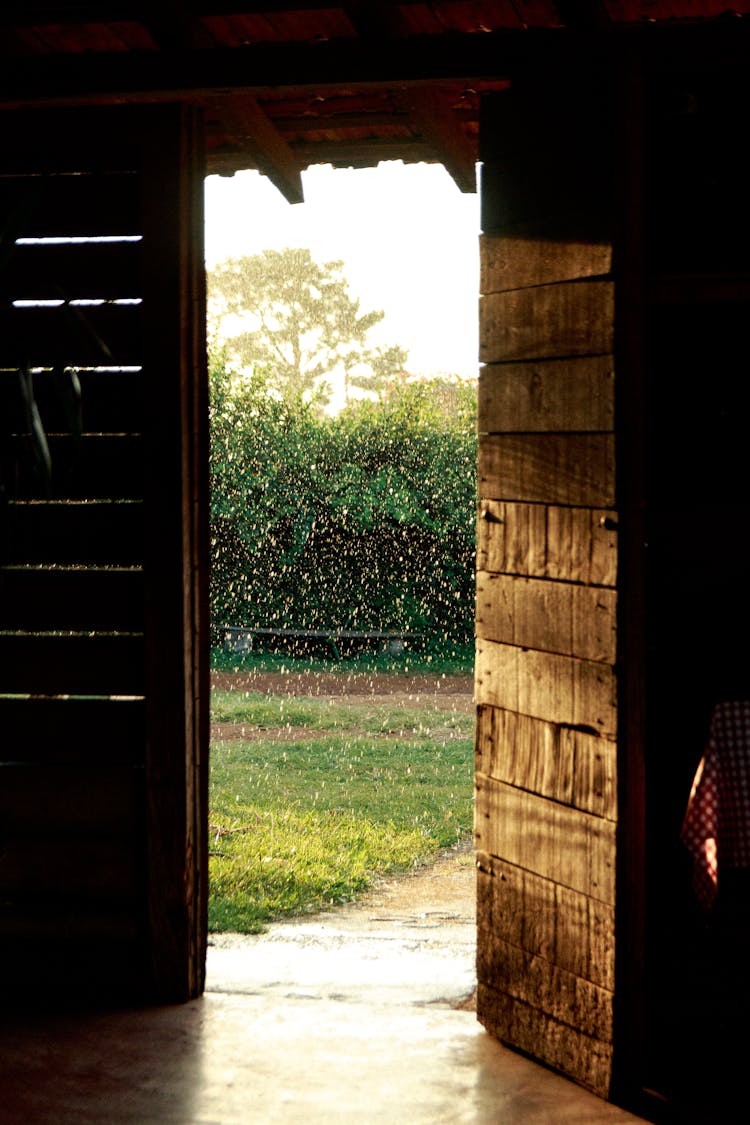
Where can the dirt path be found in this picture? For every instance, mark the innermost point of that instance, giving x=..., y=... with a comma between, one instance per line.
x=411, y=926
x=443, y=693
x=409, y=940
x=452, y=692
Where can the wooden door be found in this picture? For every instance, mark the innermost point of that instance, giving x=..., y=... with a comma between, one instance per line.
x=546, y=813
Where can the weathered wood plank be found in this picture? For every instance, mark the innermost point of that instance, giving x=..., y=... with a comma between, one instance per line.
x=542, y=541
x=54, y=206
x=566, y=928
x=71, y=598
x=60, y=867
x=49, y=664
x=40, y=143
x=74, y=271
x=98, y=800
x=110, y=402
x=565, y=845
x=72, y=921
x=582, y=1057
x=542, y=984
x=69, y=731
x=70, y=532
x=71, y=336
x=559, y=689
x=86, y=468
x=551, y=321
x=550, y=616
x=521, y=258
x=574, y=469
x=556, y=761
x=555, y=395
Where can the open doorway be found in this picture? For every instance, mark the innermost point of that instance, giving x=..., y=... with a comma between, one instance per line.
x=343, y=538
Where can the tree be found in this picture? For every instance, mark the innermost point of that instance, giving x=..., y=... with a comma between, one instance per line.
x=304, y=326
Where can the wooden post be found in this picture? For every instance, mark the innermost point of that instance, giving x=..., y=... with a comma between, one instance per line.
x=176, y=567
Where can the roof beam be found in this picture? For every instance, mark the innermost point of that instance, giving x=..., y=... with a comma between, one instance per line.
x=433, y=117
x=374, y=20
x=188, y=74
x=584, y=13
x=253, y=130
x=194, y=74
x=171, y=26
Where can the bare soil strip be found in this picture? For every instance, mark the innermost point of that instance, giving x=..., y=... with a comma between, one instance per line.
x=434, y=691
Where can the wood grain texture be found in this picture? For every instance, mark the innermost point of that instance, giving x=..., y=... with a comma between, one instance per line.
x=93, y=467
x=70, y=532
x=84, y=204
x=559, y=689
x=554, y=395
x=569, y=847
x=71, y=336
x=56, y=664
x=521, y=258
x=93, y=270
x=106, y=599
x=62, y=867
x=110, y=402
x=556, y=761
x=541, y=984
x=549, y=616
x=551, y=321
x=68, y=731
x=72, y=921
x=582, y=1057
x=176, y=558
x=96, y=800
x=543, y=541
x=566, y=928
x=574, y=469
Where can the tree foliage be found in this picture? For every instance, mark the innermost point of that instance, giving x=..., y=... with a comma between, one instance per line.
x=365, y=520
x=302, y=324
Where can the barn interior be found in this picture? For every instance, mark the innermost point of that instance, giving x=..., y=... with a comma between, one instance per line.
x=612, y=597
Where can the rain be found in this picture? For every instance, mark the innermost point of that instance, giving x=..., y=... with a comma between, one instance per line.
x=343, y=509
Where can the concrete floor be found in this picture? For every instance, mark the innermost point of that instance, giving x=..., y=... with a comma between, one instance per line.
x=360, y=1016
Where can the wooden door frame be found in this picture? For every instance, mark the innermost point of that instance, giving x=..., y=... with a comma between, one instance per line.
x=177, y=563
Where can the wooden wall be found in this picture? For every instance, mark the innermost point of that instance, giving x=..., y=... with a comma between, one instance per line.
x=546, y=689
x=102, y=556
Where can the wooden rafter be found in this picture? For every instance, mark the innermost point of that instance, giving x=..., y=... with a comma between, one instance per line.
x=254, y=132
x=584, y=13
x=432, y=115
x=171, y=26
x=189, y=74
x=373, y=20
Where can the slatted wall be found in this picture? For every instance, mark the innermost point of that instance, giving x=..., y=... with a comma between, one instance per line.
x=101, y=609
x=546, y=586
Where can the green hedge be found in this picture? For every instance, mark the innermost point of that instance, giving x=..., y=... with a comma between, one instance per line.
x=365, y=520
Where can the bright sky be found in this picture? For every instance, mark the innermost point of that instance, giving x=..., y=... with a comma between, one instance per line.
x=407, y=236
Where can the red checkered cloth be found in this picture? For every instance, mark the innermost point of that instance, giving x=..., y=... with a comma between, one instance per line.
x=716, y=828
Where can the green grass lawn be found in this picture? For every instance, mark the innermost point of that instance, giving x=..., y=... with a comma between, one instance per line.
x=301, y=825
